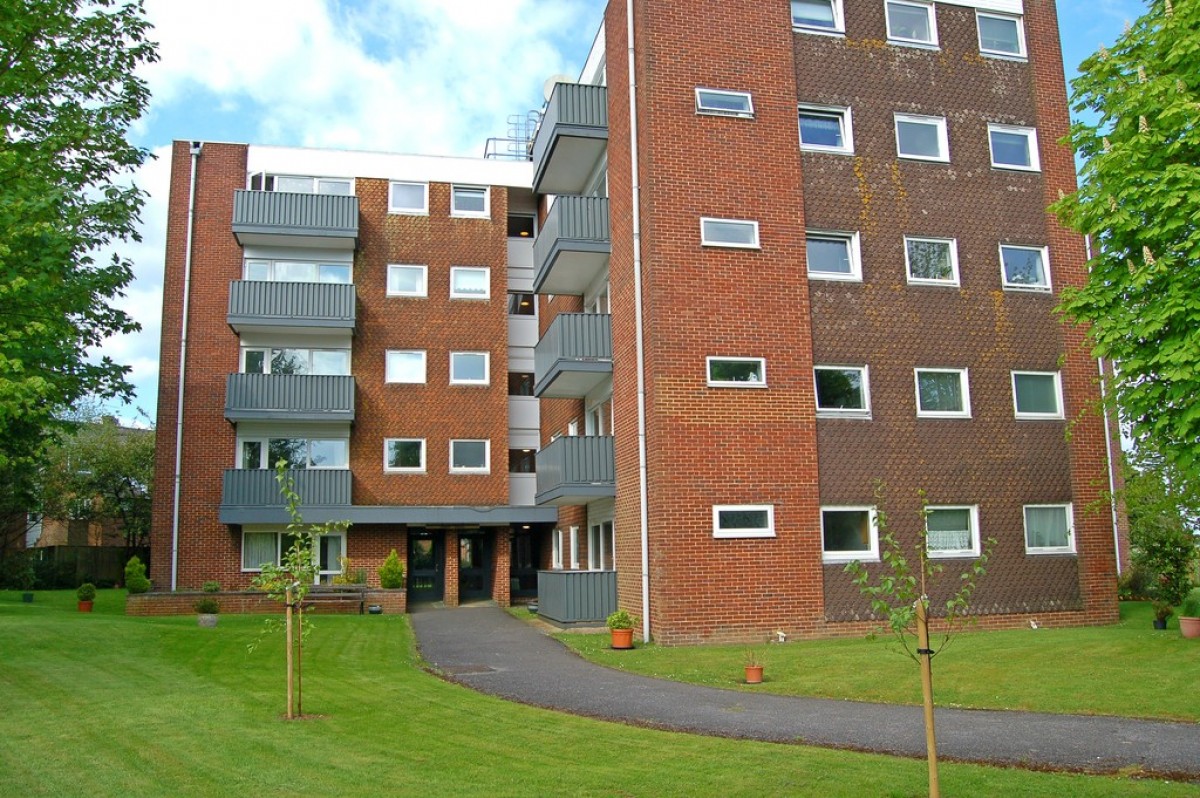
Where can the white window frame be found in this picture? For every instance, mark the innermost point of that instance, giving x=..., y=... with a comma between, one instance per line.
x=556, y=552
x=761, y=382
x=921, y=119
x=1069, y=548
x=931, y=14
x=388, y=469
x=953, y=244
x=422, y=211
x=422, y=292
x=1058, y=396
x=841, y=412
x=709, y=110
x=963, y=384
x=1022, y=53
x=854, y=248
x=317, y=555
x=973, y=516
x=845, y=119
x=387, y=376
x=487, y=369
x=755, y=532
x=574, y=548
x=242, y=553
x=269, y=360
x=1031, y=143
x=871, y=555
x=707, y=242
x=273, y=263
x=486, y=213
x=487, y=273
x=1008, y=286
x=487, y=457
x=839, y=22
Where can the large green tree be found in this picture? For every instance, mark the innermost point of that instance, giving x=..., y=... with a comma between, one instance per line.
x=68, y=94
x=1140, y=202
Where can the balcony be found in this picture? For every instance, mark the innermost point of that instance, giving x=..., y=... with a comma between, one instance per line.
x=577, y=596
x=266, y=307
x=576, y=470
x=251, y=496
x=280, y=218
x=290, y=397
x=574, y=356
x=573, y=247
x=571, y=140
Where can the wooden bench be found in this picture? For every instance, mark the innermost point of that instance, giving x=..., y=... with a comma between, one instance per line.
x=337, y=595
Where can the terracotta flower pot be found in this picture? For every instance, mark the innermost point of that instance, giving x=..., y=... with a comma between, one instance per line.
x=754, y=674
x=622, y=638
x=85, y=606
x=1189, y=627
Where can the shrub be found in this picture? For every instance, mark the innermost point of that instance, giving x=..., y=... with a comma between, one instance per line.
x=207, y=606
x=1190, y=608
x=621, y=619
x=211, y=586
x=1134, y=584
x=17, y=572
x=135, y=576
x=1167, y=551
x=86, y=592
x=345, y=577
x=391, y=573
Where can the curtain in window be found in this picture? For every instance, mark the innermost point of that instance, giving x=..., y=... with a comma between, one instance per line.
x=258, y=548
x=1046, y=527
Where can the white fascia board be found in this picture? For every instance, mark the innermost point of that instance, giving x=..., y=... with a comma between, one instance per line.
x=389, y=166
x=1003, y=6
x=593, y=68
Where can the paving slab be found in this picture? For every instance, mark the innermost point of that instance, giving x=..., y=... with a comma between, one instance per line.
x=488, y=650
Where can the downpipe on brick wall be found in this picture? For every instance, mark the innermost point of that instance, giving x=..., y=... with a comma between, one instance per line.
x=197, y=146
x=1109, y=454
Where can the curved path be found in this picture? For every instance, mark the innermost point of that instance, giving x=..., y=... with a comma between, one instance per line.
x=488, y=650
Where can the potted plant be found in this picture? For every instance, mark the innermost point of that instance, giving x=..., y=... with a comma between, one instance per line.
x=620, y=626
x=754, y=667
x=1189, y=614
x=86, y=595
x=207, y=609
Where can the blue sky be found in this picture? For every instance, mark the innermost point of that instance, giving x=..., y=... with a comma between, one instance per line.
x=432, y=77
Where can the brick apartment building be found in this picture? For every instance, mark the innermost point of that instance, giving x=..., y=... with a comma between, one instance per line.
x=778, y=258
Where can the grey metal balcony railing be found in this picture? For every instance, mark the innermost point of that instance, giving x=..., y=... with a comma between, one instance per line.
x=571, y=139
x=577, y=596
x=256, y=487
x=263, y=304
x=574, y=356
x=576, y=469
x=289, y=397
x=266, y=217
x=573, y=247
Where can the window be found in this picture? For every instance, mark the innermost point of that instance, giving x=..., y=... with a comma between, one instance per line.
x=407, y=280
x=521, y=304
x=931, y=260
x=520, y=383
x=470, y=282
x=842, y=391
x=849, y=533
x=1014, y=148
x=1025, y=268
x=600, y=547
x=470, y=457
x=262, y=548
x=1037, y=394
x=521, y=225
x=294, y=271
x=737, y=372
x=818, y=16
x=469, y=368
x=724, y=103
x=943, y=393
x=296, y=453
x=826, y=129
x=259, y=549
x=911, y=23
x=728, y=233
x=1048, y=529
x=952, y=531
x=408, y=198
x=406, y=366
x=574, y=548
x=522, y=461
x=922, y=137
x=279, y=360
x=743, y=521
x=329, y=556
x=401, y=455
x=469, y=201
x=556, y=558
x=297, y=184
x=833, y=256
x=1000, y=34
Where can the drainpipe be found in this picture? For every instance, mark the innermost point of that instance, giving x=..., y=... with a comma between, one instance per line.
x=1108, y=442
x=643, y=500
x=183, y=329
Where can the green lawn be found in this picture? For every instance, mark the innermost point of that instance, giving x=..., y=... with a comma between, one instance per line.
x=106, y=705
x=1127, y=669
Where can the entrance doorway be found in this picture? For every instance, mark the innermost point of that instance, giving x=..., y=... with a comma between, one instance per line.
x=474, y=566
x=425, y=578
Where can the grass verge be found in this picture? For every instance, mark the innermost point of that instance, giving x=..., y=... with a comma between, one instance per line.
x=108, y=705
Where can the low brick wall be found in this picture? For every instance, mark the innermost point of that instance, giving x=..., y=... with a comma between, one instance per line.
x=252, y=602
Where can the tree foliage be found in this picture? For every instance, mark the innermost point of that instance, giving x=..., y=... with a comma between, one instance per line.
x=68, y=94
x=1140, y=203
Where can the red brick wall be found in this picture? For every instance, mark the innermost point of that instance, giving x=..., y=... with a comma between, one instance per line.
x=247, y=602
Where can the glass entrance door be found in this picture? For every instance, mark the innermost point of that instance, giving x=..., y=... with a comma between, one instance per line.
x=425, y=558
x=474, y=566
